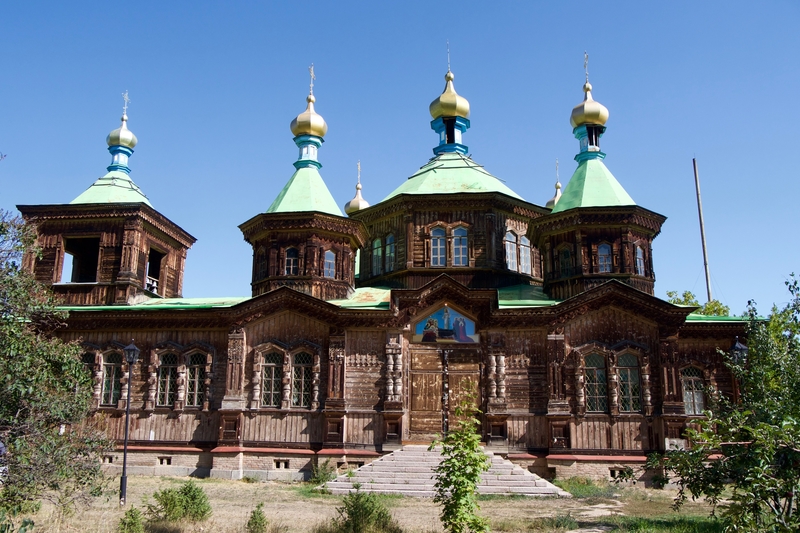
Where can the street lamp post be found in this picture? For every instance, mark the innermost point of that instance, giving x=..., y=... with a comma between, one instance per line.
x=131, y=356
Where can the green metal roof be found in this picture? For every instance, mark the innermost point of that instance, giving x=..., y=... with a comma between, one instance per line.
x=452, y=172
x=592, y=185
x=158, y=304
x=697, y=317
x=306, y=191
x=366, y=298
x=116, y=187
x=523, y=296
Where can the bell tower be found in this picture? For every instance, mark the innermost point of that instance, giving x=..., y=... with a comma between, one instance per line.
x=109, y=245
x=595, y=231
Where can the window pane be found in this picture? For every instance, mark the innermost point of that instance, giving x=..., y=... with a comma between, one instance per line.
x=330, y=264
x=112, y=371
x=511, y=251
x=292, y=262
x=460, y=247
x=639, y=261
x=524, y=255
x=301, y=380
x=272, y=377
x=565, y=258
x=604, y=258
x=167, y=380
x=438, y=248
x=195, y=385
x=377, y=257
x=390, y=251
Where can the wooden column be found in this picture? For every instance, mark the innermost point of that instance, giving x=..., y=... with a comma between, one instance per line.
x=234, y=371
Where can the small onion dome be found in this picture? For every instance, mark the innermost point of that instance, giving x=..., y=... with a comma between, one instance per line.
x=588, y=111
x=122, y=136
x=551, y=203
x=309, y=122
x=449, y=104
x=356, y=204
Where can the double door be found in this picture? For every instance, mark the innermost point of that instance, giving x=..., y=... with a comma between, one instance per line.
x=440, y=379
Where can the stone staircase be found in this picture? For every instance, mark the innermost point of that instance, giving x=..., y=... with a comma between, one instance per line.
x=409, y=472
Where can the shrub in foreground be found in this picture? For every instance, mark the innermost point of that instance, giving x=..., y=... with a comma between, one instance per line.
x=188, y=502
x=361, y=512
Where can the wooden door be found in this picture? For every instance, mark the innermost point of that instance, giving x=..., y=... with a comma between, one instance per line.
x=430, y=408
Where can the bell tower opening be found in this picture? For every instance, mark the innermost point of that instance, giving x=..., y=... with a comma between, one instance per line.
x=81, y=257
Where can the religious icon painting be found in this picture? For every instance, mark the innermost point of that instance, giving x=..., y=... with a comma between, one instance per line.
x=447, y=326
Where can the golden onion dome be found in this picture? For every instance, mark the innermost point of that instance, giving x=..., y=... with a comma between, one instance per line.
x=589, y=111
x=449, y=103
x=122, y=136
x=356, y=204
x=309, y=122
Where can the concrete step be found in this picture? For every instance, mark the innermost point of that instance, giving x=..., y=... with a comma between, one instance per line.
x=410, y=472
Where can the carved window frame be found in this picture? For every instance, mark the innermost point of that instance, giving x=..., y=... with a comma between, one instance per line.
x=261, y=266
x=167, y=385
x=596, y=383
x=116, y=381
x=201, y=381
x=605, y=261
x=460, y=246
x=256, y=394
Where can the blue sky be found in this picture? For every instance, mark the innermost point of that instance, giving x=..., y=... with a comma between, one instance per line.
x=214, y=86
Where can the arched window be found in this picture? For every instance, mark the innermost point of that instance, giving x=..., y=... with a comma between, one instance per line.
x=377, y=257
x=390, y=253
x=329, y=270
x=167, y=380
x=604, y=258
x=630, y=391
x=524, y=255
x=510, y=241
x=438, y=248
x=271, y=378
x=196, y=382
x=596, y=386
x=112, y=371
x=460, y=247
x=291, y=266
x=301, y=380
x=639, y=261
x=693, y=398
x=565, y=262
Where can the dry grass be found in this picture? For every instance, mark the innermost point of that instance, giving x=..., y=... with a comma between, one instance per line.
x=295, y=508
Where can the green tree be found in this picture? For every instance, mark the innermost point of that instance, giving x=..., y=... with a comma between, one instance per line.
x=50, y=452
x=712, y=308
x=751, y=447
x=459, y=473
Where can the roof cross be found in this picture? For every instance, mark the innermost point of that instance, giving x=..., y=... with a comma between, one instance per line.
x=448, y=55
x=358, y=165
x=127, y=101
x=313, y=77
x=586, y=65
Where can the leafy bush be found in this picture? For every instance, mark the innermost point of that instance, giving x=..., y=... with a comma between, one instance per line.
x=322, y=473
x=258, y=521
x=131, y=522
x=361, y=512
x=189, y=502
x=458, y=475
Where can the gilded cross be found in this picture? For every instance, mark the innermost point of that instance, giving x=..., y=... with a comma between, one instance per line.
x=586, y=65
x=313, y=77
x=359, y=171
x=448, y=55
x=556, y=170
x=127, y=101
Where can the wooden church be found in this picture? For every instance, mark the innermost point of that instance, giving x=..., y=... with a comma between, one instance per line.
x=365, y=329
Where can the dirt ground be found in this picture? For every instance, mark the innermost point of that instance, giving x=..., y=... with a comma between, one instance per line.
x=299, y=509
